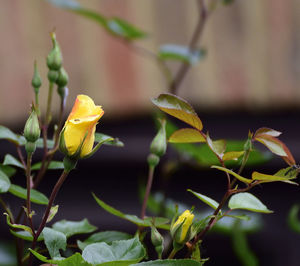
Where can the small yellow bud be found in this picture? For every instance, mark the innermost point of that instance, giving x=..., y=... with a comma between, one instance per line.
x=181, y=229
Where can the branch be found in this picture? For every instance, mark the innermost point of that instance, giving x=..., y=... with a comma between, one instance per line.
x=184, y=68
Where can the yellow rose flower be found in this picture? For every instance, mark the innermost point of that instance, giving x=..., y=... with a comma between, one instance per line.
x=81, y=125
x=180, y=229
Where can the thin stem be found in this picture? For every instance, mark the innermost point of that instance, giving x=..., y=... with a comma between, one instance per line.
x=184, y=68
x=147, y=192
x=147, y=53
x=47, y=212
x=48, y=112
x=6, y=209
x=172, y=254
x=21, y=157
x=214, y=217
x=49, y=154
x=28, y=202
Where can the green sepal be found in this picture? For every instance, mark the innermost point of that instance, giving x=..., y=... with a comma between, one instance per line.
x=69, y=163
x=99, y=144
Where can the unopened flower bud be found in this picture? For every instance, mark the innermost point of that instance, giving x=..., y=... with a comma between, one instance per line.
x=181, y=229
x=157, y=241
x=36, y=81
x=63, y=78
x=32, y=129
x=159, y=143
x=153, y=160
x=52, y=75
x=54, y=58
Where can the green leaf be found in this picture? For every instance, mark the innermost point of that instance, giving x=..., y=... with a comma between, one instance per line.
x=186, y=135
x=6, y=133
x=273, y=144
x=106, y=236
x=159, y=222
x=52, y=166
x=74, y=260
x=181, y=53
x=26, y=235
x=53, y=212
x=11, y=160
x=247, y=201
x=241, y=247
x=217, y=146
x=121, y=28
x=264, y=178
x=99, y=137
x=129, y=251
x=17, y=226
x=179, y=108
x=210, y=202
x=237, y=176
x=40, y=143
x=252, y=224
x=35, y=196
x=54, y=241
x=70, y=228
x=8, y=170
x=232, y=155
x=205, y=157
x=293, y=220
x=183, y=262
x=267, y=131
x=115, y=26
x=4, y=182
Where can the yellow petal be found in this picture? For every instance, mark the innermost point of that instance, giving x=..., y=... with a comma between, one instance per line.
x=75, y=131
x=84, y=106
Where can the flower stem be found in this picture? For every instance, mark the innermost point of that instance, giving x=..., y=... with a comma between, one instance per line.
x=47, y=212
x=147, y=192
x=172, y=254
x=48, y=112
x=28, y=182
x=184, y=68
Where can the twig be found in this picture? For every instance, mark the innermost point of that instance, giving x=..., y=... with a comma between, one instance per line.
x=147, y=192
x=184, y=68
x=47, y=212
x=28, y=202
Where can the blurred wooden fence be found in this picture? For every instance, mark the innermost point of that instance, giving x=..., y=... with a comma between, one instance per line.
x=253, y=56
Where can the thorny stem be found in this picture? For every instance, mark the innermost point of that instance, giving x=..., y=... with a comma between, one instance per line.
x=147, y=192
x=184, y=68
x=47, y=212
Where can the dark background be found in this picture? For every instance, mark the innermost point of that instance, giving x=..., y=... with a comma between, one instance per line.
x=114, y=174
